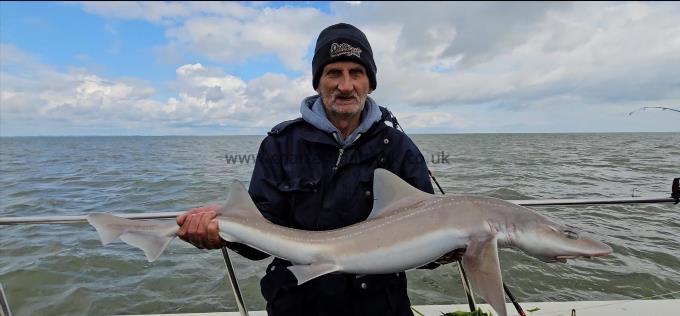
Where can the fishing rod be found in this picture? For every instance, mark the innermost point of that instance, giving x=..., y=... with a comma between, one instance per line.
x=654, y=107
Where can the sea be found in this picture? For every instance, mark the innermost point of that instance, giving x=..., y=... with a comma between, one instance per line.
x=62, y=269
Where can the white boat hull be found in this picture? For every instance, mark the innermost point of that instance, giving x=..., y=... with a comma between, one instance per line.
x=583, y=308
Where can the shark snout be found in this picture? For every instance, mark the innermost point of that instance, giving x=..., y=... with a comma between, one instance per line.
x=599, y=249
x=554, y=243
x=585, y=247
x=603, y=251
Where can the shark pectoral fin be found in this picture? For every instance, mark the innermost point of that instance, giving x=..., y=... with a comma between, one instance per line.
x=482, y=266
x=150, y=236
x=306, y=272
x=239, y=203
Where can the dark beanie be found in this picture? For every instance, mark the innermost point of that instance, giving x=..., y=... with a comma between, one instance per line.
x=341, y=42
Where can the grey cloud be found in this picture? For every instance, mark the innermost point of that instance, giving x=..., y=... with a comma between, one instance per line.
x=214, y=94
x=497, y=56
x=481, y=29
x=486, y=29
x=600, y=53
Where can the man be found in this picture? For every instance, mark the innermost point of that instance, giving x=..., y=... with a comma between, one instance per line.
x=316, y=173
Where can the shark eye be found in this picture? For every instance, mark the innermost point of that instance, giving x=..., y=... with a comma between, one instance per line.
x=570, y=234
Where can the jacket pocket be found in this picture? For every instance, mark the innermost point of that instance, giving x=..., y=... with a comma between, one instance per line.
x=304, y=201
x=279, y=289
x=297, y=185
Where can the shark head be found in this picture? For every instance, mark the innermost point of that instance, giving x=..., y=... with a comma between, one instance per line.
x=552, y=242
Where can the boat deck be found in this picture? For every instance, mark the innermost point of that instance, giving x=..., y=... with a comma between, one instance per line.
x=582, y=308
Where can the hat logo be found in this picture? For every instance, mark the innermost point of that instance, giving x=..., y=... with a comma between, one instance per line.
x=344, y=49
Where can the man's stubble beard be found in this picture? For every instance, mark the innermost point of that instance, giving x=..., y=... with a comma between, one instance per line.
x=344, y=113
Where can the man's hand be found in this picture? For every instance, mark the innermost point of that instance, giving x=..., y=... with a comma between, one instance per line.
x=198, y=227
x=452, y=256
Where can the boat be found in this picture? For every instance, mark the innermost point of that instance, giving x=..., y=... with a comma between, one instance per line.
x=575, y=308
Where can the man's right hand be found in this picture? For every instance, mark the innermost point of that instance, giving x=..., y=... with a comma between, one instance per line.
x=199, y=227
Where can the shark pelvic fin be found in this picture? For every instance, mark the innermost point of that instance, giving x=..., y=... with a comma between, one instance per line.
x=306, y=272
x=150, y=236
x=239, y=203
x=482, y=266
x=389, y=189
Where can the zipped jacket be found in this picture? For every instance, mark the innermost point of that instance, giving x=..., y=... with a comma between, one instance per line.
x=305, y=179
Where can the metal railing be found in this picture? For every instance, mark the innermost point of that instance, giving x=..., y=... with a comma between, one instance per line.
x=77, y=219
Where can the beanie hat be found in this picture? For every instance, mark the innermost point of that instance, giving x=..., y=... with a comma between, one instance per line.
x=342, y=42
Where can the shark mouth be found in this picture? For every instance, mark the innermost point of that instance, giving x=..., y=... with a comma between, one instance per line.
x=563, y=259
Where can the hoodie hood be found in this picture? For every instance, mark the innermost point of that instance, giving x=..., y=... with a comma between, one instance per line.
x=313, y=113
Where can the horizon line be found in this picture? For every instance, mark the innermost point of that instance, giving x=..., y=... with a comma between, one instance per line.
x=265, y=134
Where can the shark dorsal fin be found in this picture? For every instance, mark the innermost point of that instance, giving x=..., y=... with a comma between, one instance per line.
x=239, y=203
x=389, y=190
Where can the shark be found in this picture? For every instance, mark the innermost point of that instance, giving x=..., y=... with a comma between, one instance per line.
x=407, y=228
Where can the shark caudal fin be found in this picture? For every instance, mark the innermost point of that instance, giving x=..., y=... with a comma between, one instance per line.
x=389, y=191
x=150, y=236
x=481, y=264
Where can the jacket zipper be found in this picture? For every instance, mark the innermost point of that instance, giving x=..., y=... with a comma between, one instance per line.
x=341, y=151
x=337, y=163
x=329, y=179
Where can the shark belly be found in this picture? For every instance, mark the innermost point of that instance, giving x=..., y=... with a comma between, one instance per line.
x=282, y=242
x=410, y=253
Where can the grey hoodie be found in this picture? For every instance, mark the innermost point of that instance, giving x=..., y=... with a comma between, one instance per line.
x=313, y=113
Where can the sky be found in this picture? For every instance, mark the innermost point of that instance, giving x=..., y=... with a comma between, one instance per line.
x=234, y=68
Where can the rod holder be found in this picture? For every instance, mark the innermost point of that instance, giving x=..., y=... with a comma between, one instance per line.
x=4, y=305
x=675, y=191
x=234, y=283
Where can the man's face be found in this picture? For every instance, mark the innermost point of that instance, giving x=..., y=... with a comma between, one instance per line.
x=343, y=88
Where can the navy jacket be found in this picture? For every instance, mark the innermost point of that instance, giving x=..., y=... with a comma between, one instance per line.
x=304, y=179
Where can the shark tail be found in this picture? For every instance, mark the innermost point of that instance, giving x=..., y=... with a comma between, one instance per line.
x=150, y=236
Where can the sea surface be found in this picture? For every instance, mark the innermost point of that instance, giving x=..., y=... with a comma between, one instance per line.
x=62, y=269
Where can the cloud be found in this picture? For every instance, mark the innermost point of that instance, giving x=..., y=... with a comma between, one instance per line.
x=164, y=12
x=31, y=90
x=467, y=53
x=205, y=97
x=225, y=32
x=503, y=53
x=437, y=63
x=210, y=96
